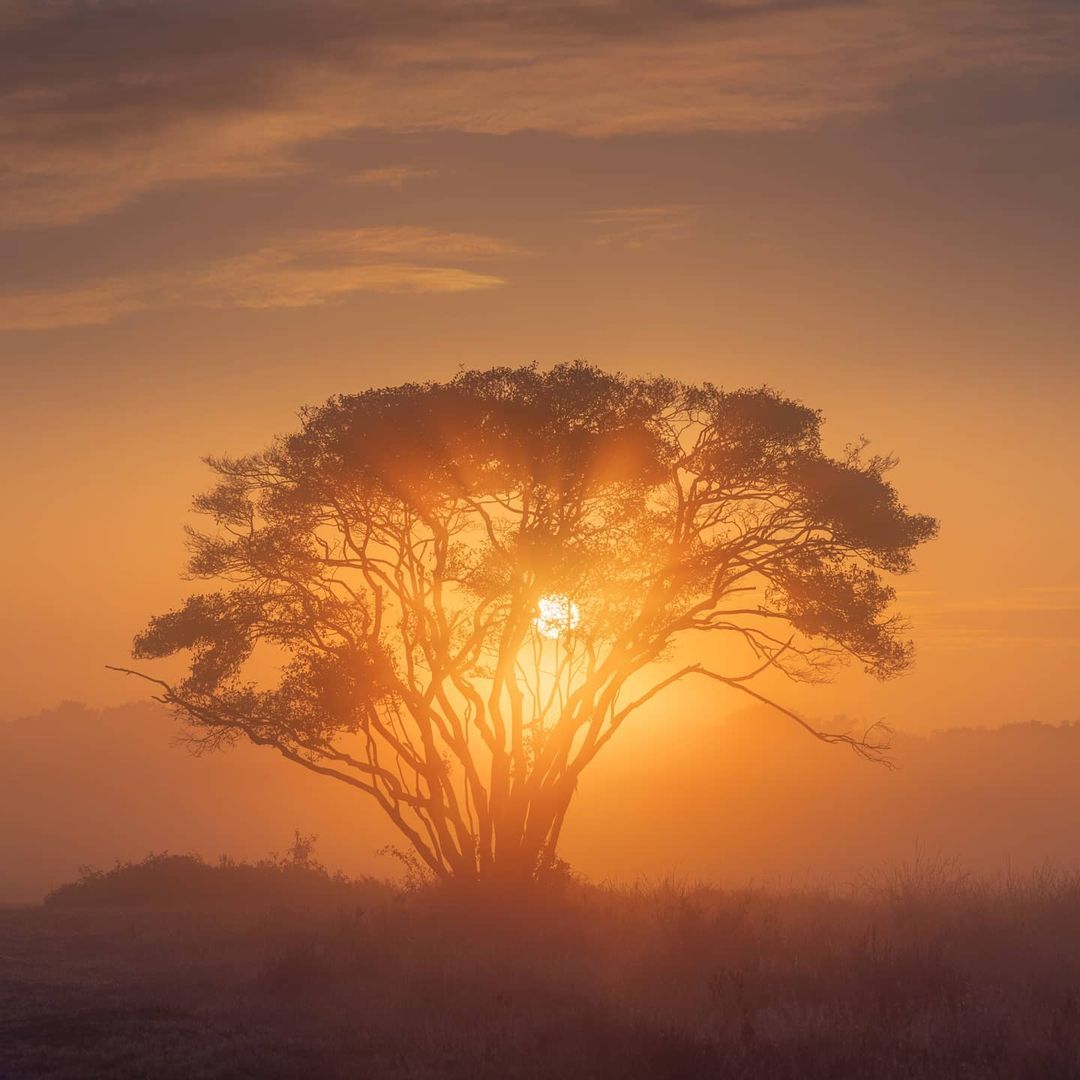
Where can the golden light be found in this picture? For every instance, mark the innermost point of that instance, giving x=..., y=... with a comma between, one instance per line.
x=556, y=615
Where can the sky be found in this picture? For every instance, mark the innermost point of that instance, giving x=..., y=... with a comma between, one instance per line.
x=213, y=213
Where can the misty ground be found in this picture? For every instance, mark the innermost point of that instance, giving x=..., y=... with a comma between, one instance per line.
x=734, y=799
x=172, y=969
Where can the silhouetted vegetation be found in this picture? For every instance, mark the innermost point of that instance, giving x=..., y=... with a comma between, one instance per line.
x=87, y=786
x=471, y=582
x=922, y=972
x=293, y=880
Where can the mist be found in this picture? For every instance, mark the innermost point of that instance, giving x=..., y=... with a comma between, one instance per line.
x=736, y=799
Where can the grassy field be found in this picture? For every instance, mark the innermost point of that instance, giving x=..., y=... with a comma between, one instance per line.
x=919, y=973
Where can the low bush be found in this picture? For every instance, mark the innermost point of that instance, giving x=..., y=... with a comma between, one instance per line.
x=293, y=880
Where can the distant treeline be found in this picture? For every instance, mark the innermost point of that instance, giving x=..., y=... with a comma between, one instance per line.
x=731, y=800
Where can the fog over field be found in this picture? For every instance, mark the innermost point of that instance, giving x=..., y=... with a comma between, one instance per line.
x=737, y=799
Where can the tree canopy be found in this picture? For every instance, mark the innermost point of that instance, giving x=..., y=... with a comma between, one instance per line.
x=470, y=584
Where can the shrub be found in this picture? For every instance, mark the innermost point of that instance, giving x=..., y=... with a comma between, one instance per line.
x=294, y=880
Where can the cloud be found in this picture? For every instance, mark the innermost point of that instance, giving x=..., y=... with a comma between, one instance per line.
x=94, y=304
x=402, y=240
x=303, y=270
x=1036, y=617
x=391, y=176
x=1032, y=598
x=102, y=102
x=982, y=99
x=640, y=226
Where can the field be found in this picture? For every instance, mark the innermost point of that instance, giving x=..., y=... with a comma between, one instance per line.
x=917, y=973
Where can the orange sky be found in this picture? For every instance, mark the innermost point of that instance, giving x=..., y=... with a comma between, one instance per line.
x=211, y=214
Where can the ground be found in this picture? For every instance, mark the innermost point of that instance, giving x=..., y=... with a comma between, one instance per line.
x=910, y=976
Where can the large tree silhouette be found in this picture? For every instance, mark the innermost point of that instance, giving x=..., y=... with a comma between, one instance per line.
x=467, y=587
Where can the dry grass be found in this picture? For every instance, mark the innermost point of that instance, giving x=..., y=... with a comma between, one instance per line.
x=921, y=972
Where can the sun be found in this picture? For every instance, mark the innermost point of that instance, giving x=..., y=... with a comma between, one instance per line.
x=556, y=615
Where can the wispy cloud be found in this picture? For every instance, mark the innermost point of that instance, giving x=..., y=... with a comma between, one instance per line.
x=93, y=304
x=303, y=270
x=1034, y=617
x=391, y=176
x=640, y=226
x=101, y=102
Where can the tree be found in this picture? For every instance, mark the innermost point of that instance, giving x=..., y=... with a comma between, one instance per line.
x=469, y=585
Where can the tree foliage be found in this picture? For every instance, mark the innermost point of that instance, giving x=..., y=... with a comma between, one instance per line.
x=394, y=551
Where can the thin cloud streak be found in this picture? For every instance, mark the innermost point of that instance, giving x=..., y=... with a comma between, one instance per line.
x=639, y=226
x=305, y=270
x=391, y=176
x=1034, y=617
x=95, y=304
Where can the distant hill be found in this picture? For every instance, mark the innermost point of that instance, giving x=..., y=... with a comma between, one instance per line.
x=746, y=797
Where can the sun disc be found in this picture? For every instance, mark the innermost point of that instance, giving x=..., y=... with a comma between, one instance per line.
x=556, y=616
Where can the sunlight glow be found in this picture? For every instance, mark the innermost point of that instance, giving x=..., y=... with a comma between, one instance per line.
x=556, y=615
